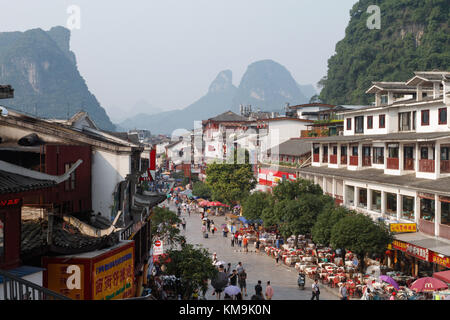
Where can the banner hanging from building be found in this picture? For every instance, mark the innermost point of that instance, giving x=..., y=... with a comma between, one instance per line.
x=403, y=227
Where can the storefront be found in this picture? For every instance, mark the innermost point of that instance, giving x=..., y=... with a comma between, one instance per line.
x=418, y=255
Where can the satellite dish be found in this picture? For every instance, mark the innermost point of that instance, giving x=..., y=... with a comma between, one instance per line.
x=3, y=111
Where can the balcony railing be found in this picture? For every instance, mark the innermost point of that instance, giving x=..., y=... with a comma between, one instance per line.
x=333, y=159
x=445, y=166
x=15, y=288
x=426, y=165
x=353, y=160
x=409, y=164
x=366, y=161
x=392, y=163
x=325, y=158
x=316, y=157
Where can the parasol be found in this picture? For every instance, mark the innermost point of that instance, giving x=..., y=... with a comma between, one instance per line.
x=428, y=284
x=218, y=263
x=220, y=281
x=232, y=290
x=390, y=281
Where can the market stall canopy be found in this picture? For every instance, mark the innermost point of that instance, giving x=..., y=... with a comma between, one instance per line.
x=243, y=219
x=428, y=284
x=443, y=276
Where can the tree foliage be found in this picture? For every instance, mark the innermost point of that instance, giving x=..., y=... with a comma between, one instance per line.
x=194, y=266
x=414, y=35
x=290, y=190
x=360, y=234
x=202, y=190
x=321, y=231
x=231, y=182
x=254, y=204
x=163, y=226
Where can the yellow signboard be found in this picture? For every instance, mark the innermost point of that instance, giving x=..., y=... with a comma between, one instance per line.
x=66, y=279
x=113, y=276
x=403, y=227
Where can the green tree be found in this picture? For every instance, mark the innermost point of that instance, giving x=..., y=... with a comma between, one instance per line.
x=330, y=215
x=231, y=182
x=298, y=216
x=193, y=265
x=290, y=190
x=202, y=190
x=254, y=204
x=360, y=234
x=163, y=226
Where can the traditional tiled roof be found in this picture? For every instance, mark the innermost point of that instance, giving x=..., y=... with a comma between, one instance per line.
x=13, y=183
x=229, y=116
x=66, y=239
x=293, y=147
x=379, y=86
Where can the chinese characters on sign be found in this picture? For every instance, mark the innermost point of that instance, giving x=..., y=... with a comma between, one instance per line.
x=417, y=252
x=403, y=227
x=399, y=245
x=114, y=276
x=443, y=261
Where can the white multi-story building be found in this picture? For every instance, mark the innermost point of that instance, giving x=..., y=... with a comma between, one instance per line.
x=393, y=161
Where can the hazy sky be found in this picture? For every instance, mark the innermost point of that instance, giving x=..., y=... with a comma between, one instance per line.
x=167, y=52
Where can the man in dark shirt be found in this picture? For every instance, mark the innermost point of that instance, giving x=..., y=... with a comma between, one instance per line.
x=258, y=290
x=233, y=278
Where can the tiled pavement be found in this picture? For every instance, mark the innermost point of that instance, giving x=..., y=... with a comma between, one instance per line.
x=258, y=266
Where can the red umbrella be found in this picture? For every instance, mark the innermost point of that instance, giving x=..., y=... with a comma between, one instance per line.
x=428, y=284
x=203, y=203
x=217, y=204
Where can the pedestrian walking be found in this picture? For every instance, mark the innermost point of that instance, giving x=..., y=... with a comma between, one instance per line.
x=243, y=281
x=183, y=223
x=277, y=256
x=343, y=292
x=189, y=211
x=227, y=270
x=240, y=240
x=203, y=229
x=233, y=278
x=239, y=267
x=315, y=290
x=269, y=291
x=257, y=244
x=208, y=224
x=258, y=290
x=232, y=240
x=213, y=228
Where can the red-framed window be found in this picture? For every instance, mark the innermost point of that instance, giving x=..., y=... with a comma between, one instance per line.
x=425, y=117
x=369, y=122
x=443, y=116
x=382, y=121
x=349, y=123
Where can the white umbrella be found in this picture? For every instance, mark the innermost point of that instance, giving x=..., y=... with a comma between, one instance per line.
x=232, y=290
x=205, y=218
x=218, y=263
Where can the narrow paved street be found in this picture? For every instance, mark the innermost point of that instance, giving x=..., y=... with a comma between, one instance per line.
x=258, y=266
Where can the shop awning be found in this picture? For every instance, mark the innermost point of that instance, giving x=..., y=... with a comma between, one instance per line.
x=424, y=241
x=443, y=276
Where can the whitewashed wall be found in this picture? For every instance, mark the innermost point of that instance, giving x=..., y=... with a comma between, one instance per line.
x=108, y=169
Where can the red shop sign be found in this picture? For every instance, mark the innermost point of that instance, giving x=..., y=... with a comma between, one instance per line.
x=9, y=202
x=440, y=259
x=418, y=252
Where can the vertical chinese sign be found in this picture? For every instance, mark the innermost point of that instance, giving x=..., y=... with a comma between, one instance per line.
x=113, y=277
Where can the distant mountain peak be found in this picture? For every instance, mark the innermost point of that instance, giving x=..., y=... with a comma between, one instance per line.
x=268, y=85
x=223, y=82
